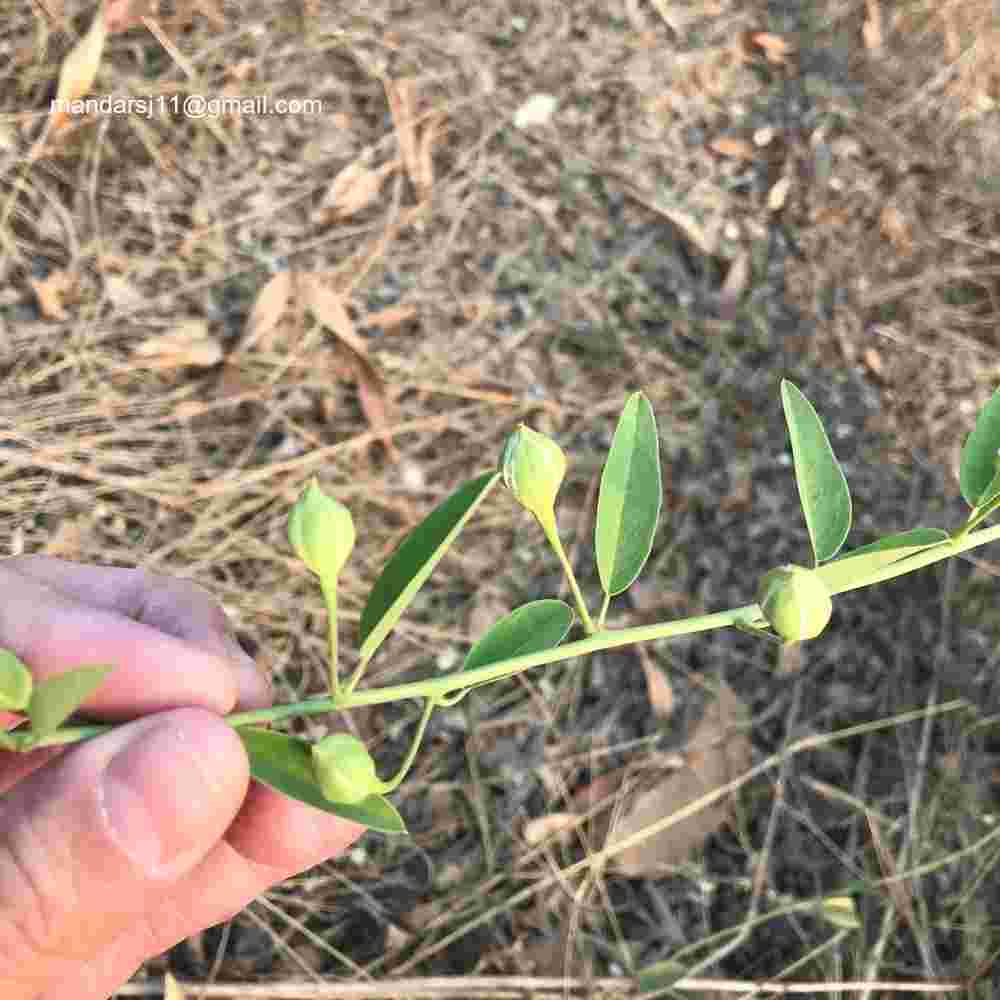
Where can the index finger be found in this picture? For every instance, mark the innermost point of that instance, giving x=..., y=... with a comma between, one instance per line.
x=52, y=631
x=177, y=606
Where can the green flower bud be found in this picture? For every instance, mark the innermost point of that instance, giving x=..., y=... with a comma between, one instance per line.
x=321, y=531
x=344, y=769
x=796, y=602
x=533, y=468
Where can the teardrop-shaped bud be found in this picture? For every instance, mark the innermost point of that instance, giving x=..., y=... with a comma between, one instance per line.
x=533, y=467
x=344, y=769
x=321, y=531
x=796, y=602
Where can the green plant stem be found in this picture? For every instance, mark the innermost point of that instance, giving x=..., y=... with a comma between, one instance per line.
x=934, y=554
x=359, y=672
x=604, y=611
x=976, y=517
x=436, y=687
x=552, y=534
x=329, y=587
x=393, y=783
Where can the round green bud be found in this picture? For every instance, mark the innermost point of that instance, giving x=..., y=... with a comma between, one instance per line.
x=344, y=769
x=321, y=531
x=796, y=602
x=533, y=467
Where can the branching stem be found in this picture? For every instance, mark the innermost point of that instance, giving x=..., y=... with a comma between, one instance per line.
x=436, y=687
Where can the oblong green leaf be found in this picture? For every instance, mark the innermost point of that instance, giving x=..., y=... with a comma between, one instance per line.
x=990, y=494
x=628, y=507
x=979, y=453
x=284, y=763
x=528, y=629
x=823, y=492
x=15, y=682
x=851, y=570
x=55, y=699
x=414, y=560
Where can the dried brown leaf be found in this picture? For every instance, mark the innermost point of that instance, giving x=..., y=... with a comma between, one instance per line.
x=704, y=240
x=778, y=194
x=121, y=15
x=659, y=690
x=189, y=343
x=79, y=69
x=51, y=291
x=375, y=402
x=543, y=827
x=185, y=10
x=355, y=188
x=329, y=308
x=425, y=156
x=895, y=226
x=268, y=309
x=67, y=540
x=601, y=788
x=873, y=361
x=871, y=29
x=775, y=48
x=390, y=317
x=401, y=95
x=121, y=292
x=717, y=754
x=731, y=146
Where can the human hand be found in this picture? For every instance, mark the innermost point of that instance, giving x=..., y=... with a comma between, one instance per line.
x=114, y=849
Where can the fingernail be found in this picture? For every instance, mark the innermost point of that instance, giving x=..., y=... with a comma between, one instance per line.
x=157, y=796
x=252, y=681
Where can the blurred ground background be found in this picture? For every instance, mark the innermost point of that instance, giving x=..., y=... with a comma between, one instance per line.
x=517, y=211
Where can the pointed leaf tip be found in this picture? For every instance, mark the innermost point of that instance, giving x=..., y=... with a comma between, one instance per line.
x=55, y=699
x=412, y=563
x=978, y=465
x=628, y=507
x=823, y=490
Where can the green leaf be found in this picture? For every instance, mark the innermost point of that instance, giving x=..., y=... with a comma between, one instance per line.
x=979, y=454
x=826, y=500
x=15, y=682
x=630, y=498
x=56, y=698
x=415, y=559
x=990, y=494
x=284, y=763
x=527, y=629
x=851, y=570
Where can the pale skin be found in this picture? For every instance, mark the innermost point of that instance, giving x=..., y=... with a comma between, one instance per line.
x=80, y=907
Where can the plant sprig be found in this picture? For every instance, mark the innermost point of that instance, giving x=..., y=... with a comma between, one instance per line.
x=337, y=774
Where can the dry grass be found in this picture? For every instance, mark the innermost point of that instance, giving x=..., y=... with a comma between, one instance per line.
x=154, y=416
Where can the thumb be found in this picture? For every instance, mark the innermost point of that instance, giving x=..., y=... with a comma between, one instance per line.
x=91, y=844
